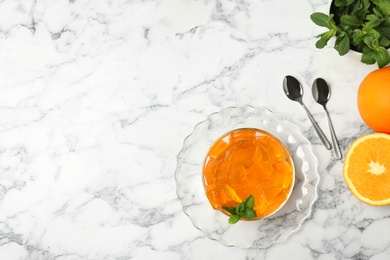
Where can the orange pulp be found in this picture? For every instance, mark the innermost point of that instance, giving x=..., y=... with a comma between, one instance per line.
x=247, y=162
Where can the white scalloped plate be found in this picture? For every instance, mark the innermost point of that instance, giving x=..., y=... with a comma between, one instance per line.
x=246, y=234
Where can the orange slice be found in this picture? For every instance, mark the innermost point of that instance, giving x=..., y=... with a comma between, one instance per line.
x=367, y=169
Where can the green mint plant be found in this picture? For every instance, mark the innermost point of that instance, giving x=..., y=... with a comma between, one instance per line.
x=360, y=25
x=243, y=210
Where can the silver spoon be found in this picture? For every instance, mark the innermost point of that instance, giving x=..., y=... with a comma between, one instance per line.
x=294, y=91
x=321, y=94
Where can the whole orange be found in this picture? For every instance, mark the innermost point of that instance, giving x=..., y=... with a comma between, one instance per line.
x=373, y=100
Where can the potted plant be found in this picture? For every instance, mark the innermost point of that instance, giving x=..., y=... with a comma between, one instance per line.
x=359, y=25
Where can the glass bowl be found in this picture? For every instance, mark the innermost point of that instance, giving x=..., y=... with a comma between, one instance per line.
x=260, y=233
x=244, y=162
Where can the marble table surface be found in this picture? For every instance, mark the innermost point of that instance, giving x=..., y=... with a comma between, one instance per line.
x=96, y=98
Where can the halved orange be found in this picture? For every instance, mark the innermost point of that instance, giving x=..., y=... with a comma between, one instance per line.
x=367, y=169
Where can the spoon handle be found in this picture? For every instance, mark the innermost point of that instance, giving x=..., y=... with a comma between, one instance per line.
x=336, y=146
x=318, y=129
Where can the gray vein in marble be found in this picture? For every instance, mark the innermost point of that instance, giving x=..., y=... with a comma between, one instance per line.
x=83, y=83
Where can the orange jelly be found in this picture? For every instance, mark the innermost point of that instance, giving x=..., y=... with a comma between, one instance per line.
x=247, y=162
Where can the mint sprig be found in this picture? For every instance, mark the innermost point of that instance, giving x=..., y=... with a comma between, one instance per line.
x=243, y=210
x=361, y=25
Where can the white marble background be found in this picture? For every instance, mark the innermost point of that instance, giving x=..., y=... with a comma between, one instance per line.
x=96, y=98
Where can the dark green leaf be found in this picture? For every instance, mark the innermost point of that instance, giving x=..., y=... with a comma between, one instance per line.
x=368, y=39
x=249, y=202
x=382, y=57
x=368, y=56
x=321, y=43
x=386, y=22
x=249, y=214
x=343, y=2
x=384, y=31
x=245, y=200
x=321, y=19
x=231, y=210
x=342, y=44
x=240, y=209
x=384, y=39
x=359, y=8
x=234, y=219
x=350, y=20
x=384, y=42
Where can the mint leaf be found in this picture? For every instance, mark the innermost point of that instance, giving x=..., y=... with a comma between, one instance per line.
x=234, y=219
x=231, y=210
x=386, y=22
x=382, y=57
x=368, y=55
x=384, y=32
x=240, y=209
x=371, y=42
x=249, y=213
x=321, y=19
x=350, y=20
x=342, y=44
x=249, y=202
x=384, y=42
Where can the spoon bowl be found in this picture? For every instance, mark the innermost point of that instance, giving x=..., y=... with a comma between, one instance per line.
x=294, y=91
x=321, y=91
x=321, y=94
